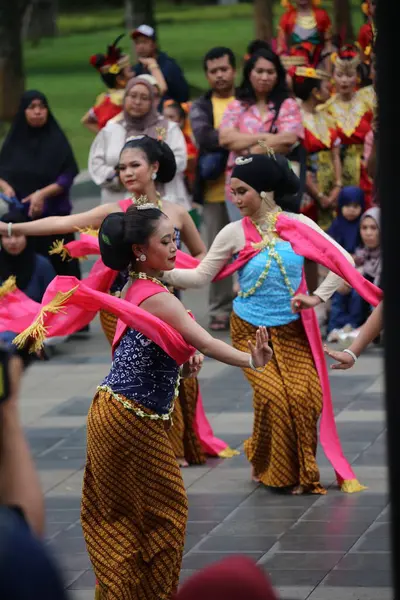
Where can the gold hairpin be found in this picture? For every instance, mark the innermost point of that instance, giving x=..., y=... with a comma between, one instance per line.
x=268, y=150
x=161, y=134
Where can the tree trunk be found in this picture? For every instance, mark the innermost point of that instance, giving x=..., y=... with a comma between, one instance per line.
x=264, y=19
x=139, y=12
x=342, y=20
x=41, y=20
x=12, y=80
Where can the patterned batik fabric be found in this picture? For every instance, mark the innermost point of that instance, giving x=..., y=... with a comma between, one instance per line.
x=108, y=323
x=182, y=435
x=287, y=403
x=134, y=504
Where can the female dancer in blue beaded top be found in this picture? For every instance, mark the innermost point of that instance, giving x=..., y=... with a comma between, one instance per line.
x=134, y=505
x=287, y=396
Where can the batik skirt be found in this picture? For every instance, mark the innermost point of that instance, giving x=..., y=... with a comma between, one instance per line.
x=134, y=504
x=287, y=404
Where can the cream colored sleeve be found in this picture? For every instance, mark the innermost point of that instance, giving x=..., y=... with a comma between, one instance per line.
x=176, y=141
x=228, y=241
x=332, y=282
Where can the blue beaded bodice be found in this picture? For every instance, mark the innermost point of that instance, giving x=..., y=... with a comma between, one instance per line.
x=143, y=372
x=269, y=305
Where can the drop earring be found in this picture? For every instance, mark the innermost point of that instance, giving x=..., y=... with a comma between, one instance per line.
x=142, y=257
x=154, y=176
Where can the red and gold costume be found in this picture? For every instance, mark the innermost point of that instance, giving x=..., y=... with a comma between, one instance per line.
x=320, y=137
x=353, y=120
x=109, y=104
x=366, y=34
x=312, y=31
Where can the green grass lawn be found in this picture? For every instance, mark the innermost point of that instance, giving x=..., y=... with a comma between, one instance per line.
x=60, y=67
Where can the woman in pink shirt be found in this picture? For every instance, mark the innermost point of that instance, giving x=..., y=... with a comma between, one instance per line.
x=263, y=110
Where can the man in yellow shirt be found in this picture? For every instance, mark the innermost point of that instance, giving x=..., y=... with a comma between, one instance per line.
x=205, y=118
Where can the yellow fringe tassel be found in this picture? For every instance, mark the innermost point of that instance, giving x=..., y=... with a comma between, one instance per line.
x=89, y=231
x=10, y=285
x=37, y=332
x=228, y=453
x=58, y=248
x=351, y=486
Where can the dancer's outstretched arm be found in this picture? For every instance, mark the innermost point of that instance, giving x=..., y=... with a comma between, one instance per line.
x=68, y=224
x=368, y=332
x=168, y=308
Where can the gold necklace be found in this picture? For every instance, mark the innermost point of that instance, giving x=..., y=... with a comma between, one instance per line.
x=144, y=276
x=306, y=21
x=143, y=200
x=268, y=225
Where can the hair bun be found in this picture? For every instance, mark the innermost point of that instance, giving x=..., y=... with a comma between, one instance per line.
x=156, y=151
x=167, y=163
x=116, y=253
x=290, y=183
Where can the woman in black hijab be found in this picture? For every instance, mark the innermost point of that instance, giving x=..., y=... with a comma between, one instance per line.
x=33, y=272
x=37, y=166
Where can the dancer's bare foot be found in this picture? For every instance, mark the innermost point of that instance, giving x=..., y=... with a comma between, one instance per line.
x=298, y=490
x=254, y=477
x=182, y=462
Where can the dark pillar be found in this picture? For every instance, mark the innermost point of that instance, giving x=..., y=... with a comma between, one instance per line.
x=388, y=14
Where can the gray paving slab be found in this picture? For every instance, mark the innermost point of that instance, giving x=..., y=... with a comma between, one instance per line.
x=333, y=547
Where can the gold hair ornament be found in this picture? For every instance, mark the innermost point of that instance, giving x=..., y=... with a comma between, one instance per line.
x=161, y=134
x=267, y=149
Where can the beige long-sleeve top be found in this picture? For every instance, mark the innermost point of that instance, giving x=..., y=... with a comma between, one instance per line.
x=104, y=155
x=229, y=241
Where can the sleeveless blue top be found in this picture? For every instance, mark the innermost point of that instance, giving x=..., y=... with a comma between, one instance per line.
x=143, y=372
x=270, y=304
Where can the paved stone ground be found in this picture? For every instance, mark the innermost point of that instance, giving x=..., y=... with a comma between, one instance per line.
x=334, y=547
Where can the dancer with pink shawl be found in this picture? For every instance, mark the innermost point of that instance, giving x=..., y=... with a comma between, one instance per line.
x=144, y=161
x=134, y=504
x=269, y=247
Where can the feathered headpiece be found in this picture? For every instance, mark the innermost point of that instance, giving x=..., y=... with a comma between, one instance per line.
x=347, y=58
x=113, y=62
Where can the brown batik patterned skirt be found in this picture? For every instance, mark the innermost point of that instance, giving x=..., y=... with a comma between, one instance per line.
x=184, y=440
x=134, y=504
x=287, y=404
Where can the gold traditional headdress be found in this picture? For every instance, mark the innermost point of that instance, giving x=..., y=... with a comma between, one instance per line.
x=311, y=73
x=267, y=149
x=347, y=59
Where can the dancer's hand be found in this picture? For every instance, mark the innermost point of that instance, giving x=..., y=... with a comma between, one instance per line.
x=261, y=353
x=344, y=360
x=302, y=301
x=193, y=366
x=7, y=190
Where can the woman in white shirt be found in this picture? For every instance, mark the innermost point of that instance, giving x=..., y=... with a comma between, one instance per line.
x=139, y=117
